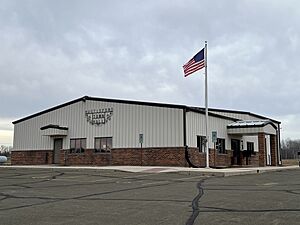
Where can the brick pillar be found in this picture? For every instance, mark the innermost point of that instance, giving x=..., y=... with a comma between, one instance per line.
x=262, y=149
x=273, y=142
x=212, y=157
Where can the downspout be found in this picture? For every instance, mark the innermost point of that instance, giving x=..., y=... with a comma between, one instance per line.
x=186, y=148
x=184, y=126
x=279, y=146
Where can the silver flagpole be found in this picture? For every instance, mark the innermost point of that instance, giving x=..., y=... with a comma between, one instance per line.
x=206, y=107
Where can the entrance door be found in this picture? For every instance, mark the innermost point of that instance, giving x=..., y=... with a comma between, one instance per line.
x=236, y=147
x=56, y=150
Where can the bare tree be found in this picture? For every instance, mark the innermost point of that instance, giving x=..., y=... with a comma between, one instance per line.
x=5, y=150
x=290, y=148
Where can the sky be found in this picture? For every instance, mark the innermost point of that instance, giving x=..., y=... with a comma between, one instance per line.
x=54, y=51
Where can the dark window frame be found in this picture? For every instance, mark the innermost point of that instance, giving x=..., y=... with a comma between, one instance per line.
x=220, y=145
x=201, y=143
x=250, y=148
x=81, y=149
x=107, y=147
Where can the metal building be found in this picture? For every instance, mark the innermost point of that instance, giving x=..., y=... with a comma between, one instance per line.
x=99, y=131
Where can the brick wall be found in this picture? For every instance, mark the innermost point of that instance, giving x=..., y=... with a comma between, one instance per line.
x=253, y=160
x=196, y=157
x=220, y=159
x=262, y=149
x=172, y=156
x=274, y=152
x=36, y=157
x=164, y=156
x=216, y=159
x=168, y=157
x=126, y=156
x=89, y=157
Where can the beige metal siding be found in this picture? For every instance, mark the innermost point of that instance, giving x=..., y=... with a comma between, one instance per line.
x=240, y=116
x=253, y=139
x=161, y=126
x=195, y=123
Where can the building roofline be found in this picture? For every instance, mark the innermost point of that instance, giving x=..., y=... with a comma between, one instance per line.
x=47, y=110
x=199, y=110
x=167, y=105
x=243, y=112
x=188, y=108
x=85, y=98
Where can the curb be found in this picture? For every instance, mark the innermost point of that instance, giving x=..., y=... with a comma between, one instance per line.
x=155, y=169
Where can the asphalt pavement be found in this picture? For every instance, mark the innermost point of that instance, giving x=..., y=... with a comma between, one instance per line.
x=49, y=196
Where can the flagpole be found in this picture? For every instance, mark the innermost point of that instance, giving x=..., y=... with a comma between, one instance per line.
x=206, y=107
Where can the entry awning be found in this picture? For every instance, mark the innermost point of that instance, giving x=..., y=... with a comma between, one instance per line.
x=251, y=127
x=54, y=130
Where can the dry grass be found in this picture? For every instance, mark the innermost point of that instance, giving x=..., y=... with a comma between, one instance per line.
x=290, y=162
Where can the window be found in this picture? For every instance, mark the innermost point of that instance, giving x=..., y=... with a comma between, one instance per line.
x=221, y=145
x=77, y=145
x=201, y=143
x=250, y=148
x=103, y=144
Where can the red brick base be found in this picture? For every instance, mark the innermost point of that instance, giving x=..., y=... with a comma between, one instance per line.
x=216, y=159
x=169, y=156
x=89, y=157
x=253, y=160
x=149, y=156
x=36, y=157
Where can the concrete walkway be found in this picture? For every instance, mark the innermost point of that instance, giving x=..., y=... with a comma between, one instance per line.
x=164, y=169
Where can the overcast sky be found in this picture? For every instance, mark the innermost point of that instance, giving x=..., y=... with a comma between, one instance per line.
x=53, y=51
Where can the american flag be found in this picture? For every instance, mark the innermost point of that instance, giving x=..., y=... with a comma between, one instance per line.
x=196, y=63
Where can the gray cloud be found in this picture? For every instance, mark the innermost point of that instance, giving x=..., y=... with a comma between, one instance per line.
x=54, y=51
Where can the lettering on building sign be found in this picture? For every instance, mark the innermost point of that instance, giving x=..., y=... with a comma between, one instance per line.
x=99, y=116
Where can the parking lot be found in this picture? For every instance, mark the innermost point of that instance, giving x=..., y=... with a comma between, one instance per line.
x=78, y=196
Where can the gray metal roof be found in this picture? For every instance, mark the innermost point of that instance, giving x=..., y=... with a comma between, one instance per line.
x=249, y=123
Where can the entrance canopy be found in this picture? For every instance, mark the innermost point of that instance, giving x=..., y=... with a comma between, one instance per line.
x=54, y=130
x=251, y=127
